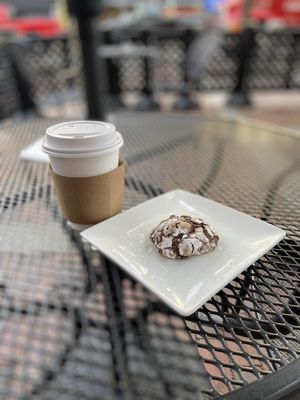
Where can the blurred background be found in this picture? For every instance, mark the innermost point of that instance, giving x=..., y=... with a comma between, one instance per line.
x=232, y=58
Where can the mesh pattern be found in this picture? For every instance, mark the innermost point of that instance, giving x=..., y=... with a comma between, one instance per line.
x=295, y=76
x=55, y=67
x=76, y=327
x=250, y=340
x=167, y=68
x=65, y=334
x=9, y=94
x=220, y=73
x=274, y=61
x=131, y=71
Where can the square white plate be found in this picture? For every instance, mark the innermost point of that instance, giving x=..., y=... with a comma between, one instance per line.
x=184, y=284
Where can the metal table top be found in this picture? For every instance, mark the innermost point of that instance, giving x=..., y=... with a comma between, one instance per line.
x=73, y=326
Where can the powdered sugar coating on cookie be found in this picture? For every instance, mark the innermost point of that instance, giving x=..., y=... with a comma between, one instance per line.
x=183, y=236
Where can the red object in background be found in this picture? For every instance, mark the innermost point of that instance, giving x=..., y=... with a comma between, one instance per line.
x=287, y=11
x=44, y=27
x=235, y=13
x=5, y=12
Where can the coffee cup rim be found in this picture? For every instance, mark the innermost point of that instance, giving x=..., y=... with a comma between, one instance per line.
x=81, y=153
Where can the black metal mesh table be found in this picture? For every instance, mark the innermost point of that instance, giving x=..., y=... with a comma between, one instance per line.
x=74, y=326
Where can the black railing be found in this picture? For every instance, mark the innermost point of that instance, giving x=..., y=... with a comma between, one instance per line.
x=147, y=60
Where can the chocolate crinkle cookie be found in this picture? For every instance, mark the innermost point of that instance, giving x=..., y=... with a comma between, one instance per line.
x=183, y=236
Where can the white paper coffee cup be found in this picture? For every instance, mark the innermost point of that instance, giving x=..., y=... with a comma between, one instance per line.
x=82, y=148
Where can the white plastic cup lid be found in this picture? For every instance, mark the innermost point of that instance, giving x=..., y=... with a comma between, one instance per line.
x=81, y=139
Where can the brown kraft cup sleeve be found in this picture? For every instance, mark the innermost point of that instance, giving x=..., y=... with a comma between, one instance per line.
x=90, y=200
